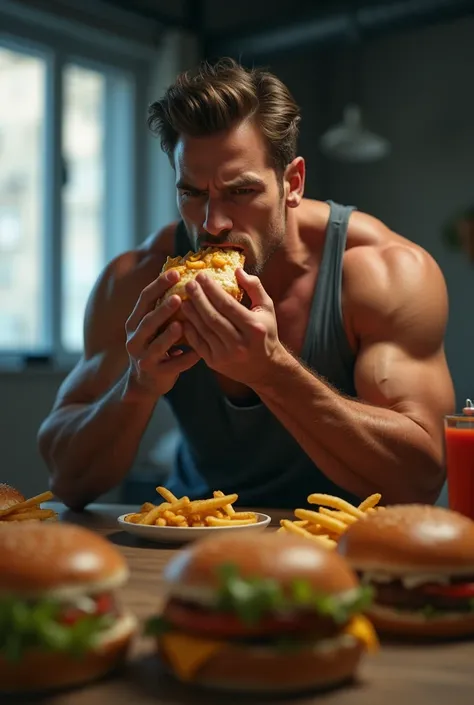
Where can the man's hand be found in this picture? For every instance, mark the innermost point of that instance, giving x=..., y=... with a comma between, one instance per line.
x=237, y=342
x=154, y=366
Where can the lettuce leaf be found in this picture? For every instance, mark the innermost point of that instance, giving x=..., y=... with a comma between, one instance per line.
x=251, y=598
x=36, y=625
x=156, y=626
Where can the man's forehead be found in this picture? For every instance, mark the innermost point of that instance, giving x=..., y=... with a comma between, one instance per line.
x=226, y=178
x=235, y=151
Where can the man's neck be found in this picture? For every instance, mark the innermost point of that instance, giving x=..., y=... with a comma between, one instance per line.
x=287, y=264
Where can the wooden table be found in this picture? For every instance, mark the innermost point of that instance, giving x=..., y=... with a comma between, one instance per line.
x=397, y=675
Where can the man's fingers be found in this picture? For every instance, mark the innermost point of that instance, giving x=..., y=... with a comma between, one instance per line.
x=150, y=295
x=176, y=365
x=200, y=311
x=254, y=289
x=151, y=323
x=231, y=309
x=196, y=341
x=163, y=342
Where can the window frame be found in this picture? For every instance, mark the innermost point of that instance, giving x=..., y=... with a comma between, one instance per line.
x=125, y=205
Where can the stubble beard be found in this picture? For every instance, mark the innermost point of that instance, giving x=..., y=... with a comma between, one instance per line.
x=272, y=241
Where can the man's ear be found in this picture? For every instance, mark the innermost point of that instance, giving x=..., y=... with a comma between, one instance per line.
x=294, y=180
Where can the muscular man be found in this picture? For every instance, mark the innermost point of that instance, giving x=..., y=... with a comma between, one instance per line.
x=333, y=378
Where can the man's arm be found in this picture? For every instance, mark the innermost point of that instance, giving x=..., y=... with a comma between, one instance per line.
x=391, y=439
x=91, y=435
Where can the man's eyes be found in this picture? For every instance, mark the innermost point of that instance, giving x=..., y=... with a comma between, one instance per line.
x=243, y=191
x=191, y=193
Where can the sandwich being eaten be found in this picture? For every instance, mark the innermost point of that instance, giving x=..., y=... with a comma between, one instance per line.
x=220, y=264
x=419, y=560
x=60, y=622
x=267, y=612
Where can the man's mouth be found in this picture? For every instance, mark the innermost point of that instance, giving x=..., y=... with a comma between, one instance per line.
x=223, y=245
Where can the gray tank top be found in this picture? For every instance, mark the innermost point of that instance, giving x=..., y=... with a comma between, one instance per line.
x=246, y=449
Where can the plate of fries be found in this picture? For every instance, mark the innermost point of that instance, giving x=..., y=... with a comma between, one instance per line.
x=329, y=523
x=179, y=519
x=29, y=510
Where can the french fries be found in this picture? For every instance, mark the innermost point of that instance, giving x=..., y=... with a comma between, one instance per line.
x=29, y=510
x=216, y=511
x=331, y=521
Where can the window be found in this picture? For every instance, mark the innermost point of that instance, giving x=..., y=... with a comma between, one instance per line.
x=22, y=120
x=83, y=195
x=69, y=139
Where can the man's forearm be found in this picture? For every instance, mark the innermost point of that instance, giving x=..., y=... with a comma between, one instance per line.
x=362, y=448
x=90, y=448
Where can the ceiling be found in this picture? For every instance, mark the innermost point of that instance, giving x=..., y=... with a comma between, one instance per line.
x=248, y=26
x=216, y=16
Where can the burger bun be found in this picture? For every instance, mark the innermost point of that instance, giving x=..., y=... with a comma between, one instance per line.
x=401, y=624
x=265, y=670
x=9, y=496
x=411, y=538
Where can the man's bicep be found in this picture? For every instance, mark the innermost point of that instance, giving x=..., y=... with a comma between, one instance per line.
x=389, y=376
x=104, y=357
x=400, y=322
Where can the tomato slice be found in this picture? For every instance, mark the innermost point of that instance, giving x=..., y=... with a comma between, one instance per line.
x=228, y=625
x=455, y=590
x=104, y=604
x=71, y=615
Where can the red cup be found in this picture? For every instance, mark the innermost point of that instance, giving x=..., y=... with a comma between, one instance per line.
x=459, y=453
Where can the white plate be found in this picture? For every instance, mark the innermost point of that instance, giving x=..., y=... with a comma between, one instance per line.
x=182, y=534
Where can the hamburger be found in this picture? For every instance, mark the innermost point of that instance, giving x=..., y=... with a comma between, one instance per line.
x=9, y=496
x=61, y=624
x=261, y=613
x=419, y=561
x=219, y=263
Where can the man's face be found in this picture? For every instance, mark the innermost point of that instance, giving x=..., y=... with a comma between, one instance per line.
x=229, y=194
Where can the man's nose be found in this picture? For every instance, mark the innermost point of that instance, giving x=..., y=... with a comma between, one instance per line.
x=216, y=219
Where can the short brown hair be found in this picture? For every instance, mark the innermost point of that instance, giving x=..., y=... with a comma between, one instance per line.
x=214, y=97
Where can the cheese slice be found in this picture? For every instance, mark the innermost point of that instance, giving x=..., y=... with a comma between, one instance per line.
x=361, y=628
x=187, y=653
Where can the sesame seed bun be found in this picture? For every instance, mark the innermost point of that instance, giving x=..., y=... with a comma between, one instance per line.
x=411, y=538
x=57, y=559
x=282, y=557
x=9, y=496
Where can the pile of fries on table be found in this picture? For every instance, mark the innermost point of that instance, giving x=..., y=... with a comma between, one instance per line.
x=182, y=512
x=29, y=510
x=332, y=519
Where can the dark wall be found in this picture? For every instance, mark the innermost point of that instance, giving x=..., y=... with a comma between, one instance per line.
x=415, y=89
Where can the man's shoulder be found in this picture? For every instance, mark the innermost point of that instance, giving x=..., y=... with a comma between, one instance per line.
x=127, y=274
x=160, y=243
x=119, y=286
x=390, y=283
x=364, y=230
x=378, y=254
x=390, y=280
